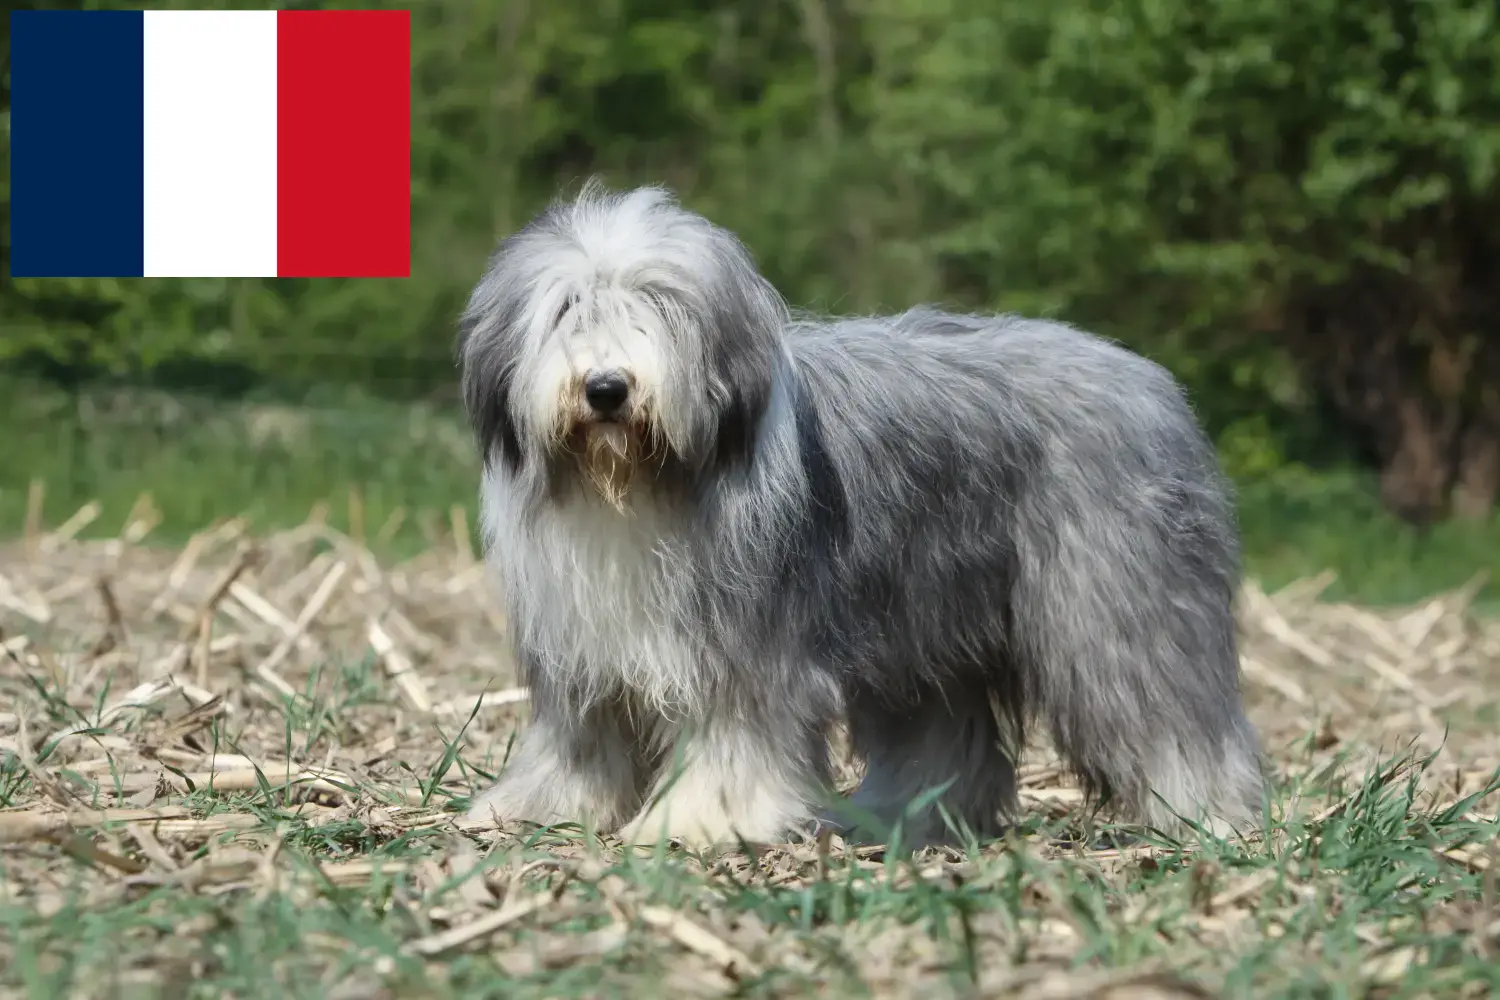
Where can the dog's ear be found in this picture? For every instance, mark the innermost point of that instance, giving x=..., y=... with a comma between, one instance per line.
x=744, y=350
x=746, y=394
x=488, y=373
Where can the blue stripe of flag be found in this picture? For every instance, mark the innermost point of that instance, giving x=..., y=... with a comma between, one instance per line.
x=77, y=160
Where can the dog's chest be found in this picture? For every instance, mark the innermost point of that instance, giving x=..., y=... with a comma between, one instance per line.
x=616, y=591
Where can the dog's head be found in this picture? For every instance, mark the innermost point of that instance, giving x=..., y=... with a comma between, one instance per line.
x=614, y=333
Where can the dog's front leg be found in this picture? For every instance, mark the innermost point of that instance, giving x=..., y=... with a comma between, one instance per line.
x=568, y=765
x=753, y=778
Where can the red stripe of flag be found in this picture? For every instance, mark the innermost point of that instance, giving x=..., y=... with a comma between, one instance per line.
x=343, y=135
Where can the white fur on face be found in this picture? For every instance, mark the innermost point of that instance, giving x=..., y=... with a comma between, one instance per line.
x=606, y=291
x=606, y=328
x=631, y=283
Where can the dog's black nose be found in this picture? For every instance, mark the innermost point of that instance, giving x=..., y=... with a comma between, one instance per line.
x=606, y=392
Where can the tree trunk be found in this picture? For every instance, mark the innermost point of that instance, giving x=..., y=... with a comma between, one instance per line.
x=1414, y=478
x=1477, y=484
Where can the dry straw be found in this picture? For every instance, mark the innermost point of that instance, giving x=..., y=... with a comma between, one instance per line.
x=230, y=623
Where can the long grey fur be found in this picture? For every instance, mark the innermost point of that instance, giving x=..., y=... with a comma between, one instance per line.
x=938, y=527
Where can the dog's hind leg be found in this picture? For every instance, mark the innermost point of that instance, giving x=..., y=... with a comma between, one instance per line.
x=944, y=736
x=1159, y=749
x=1128, y=651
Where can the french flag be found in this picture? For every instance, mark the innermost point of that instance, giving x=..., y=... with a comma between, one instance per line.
x=186, y=143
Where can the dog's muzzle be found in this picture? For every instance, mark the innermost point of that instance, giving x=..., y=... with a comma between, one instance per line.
x=608, y=441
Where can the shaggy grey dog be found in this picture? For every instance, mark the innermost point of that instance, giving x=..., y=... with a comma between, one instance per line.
x=718, y=529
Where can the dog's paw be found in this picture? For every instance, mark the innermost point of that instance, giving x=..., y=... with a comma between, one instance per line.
x=509, y=802
x=695, y=823
x=487, y=807
x=656, y=825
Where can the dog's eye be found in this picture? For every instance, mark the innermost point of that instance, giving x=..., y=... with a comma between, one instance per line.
x=562, y=313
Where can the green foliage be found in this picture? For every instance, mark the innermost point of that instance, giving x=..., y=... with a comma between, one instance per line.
x=201, y=459
x=1179, y=175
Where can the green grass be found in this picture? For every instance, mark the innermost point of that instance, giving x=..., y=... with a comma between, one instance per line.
x=1299, y=525
x=202, y=460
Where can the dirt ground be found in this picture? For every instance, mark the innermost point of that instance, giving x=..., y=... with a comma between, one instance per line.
x=134, y=679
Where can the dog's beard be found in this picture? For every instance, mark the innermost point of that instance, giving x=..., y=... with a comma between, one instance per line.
x=609, y=459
